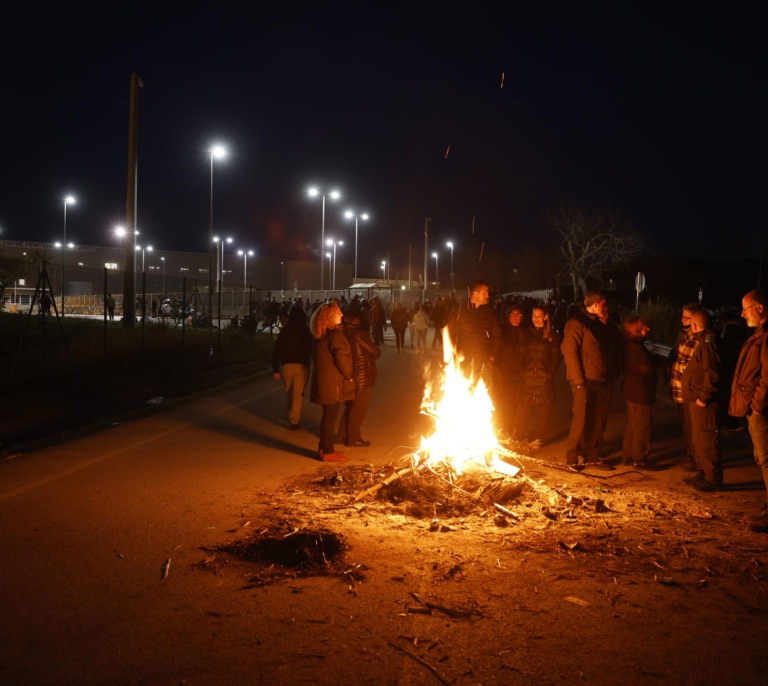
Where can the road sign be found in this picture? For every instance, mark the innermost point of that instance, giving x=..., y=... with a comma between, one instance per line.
x=640, y=282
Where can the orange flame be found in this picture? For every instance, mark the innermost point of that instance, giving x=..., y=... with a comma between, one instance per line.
x=462, y=409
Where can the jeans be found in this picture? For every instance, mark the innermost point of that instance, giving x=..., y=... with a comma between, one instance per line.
x=294, y=376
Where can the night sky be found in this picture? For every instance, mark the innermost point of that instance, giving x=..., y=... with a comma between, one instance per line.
x=480, y=118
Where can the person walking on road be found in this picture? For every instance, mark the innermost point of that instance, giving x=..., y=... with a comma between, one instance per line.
x=399, y=323
x=290, y=362
x=420, y=325
x=332, y=382
x=749, y=389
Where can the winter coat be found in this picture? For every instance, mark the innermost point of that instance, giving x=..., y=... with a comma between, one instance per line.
x=476, y=332
x=399, y=319
x=364, y=355
x=539, y=362
x=331, y=369
x=639, y=383
x=582, y=349
x=749, y=388
x=508, y=360
x=294, y=342
x=701, y=375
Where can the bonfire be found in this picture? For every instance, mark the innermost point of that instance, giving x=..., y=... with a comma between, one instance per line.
x=461, y=407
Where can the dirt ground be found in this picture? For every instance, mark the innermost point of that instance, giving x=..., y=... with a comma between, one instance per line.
x=551, y=576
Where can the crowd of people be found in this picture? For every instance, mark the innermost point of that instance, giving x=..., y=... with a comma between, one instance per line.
x=717, y=379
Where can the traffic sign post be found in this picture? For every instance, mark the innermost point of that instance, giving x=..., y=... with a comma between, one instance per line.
x=639, y=288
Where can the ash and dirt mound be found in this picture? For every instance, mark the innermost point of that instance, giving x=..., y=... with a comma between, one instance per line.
x=621, y=517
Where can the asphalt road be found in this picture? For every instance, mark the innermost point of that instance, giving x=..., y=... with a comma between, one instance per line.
x=88, y=525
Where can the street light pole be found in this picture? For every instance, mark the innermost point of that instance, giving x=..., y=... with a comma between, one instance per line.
x=162, y=259
x=216, y=152
x=68, y=200
x=449, y=244
x=245, y=254
x=437, y=276
x=349, y=214
x=147, y=248
x=334, y=243
x=334, y=195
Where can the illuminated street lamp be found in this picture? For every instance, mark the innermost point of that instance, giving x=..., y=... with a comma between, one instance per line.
x=437, y=277
x=383, y=270
x=68, y=200
x=162, y=259
x=216, y=152
x=334, y=195
x=349, y=214
x=329, y=256
x=449, y=245
x=245, y=254
x=334, y=243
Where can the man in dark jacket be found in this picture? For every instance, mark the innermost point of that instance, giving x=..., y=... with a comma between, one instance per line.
x=476, y=334
x=749, y=389
x=700, y=381
x=586, y=370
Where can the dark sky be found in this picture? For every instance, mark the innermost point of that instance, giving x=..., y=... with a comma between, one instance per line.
x=656, y=113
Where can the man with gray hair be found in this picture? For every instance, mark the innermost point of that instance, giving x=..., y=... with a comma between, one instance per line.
x=749, y=389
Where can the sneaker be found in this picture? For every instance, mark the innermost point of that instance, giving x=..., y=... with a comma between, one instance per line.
x=759, y=525
x=701, y=483
x=333, y=457
x=359, y=443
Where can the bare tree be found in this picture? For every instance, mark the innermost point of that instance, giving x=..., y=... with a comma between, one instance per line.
x=592, y=242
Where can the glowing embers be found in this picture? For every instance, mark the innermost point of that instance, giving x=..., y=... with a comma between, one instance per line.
x=462, y=410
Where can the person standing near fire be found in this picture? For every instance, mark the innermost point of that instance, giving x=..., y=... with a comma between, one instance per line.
x=749, y=389
x=507, y=371
x=700, y=382
x=476, y=334
x=539, y=361
x=332, y=382
x=638, y=388
x=683, y=349
x=364, y=355
x=586, y=370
